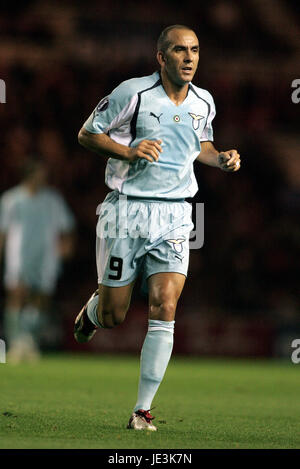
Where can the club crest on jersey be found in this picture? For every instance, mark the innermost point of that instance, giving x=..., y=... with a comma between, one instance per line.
x=176, y=118
x=177, y=244
x=196, y=120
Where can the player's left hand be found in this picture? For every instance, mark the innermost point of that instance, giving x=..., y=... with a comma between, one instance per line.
x=229, y=161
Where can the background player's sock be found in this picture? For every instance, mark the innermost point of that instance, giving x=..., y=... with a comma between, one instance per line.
x=155, y=356
x=92, y=311
x=11, y=324
x=30, y=322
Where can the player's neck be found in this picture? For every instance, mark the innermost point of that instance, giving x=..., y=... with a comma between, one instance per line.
x=32, y=188
x=175, y=92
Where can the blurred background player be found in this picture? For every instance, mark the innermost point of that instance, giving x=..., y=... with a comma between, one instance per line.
x=36, y=229
x=151, y=129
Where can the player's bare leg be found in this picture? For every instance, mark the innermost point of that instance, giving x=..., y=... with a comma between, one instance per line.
x=113, y=304
x=165, y=289
x=164, y=292
x=106, y=308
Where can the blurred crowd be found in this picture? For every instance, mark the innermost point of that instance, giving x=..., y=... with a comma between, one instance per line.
x=58, y=58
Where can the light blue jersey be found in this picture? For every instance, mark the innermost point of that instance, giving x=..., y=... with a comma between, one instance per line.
x=140, y=109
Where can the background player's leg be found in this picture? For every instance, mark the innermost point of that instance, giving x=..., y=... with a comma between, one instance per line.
x=108, y=309
x=21, y=323
x=15, y=300
x=164, y=292
x=33, y=315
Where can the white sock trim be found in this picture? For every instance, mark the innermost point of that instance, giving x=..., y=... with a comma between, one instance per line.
x=159, y=328
x=157, y=325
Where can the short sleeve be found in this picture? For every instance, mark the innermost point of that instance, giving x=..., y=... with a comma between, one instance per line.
x=63, y=215
x=113, y=110
x=207, y=134
x=6, y=207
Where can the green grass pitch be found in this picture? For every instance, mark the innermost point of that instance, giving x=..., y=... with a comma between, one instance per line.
x=80, y=401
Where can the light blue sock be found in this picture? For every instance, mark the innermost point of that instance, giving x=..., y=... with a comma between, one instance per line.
x=11, y=324
x=155, y=356
x=92, y=311
x=31, y=322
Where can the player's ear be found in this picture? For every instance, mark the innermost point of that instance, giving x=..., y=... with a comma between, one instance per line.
x=160, y=57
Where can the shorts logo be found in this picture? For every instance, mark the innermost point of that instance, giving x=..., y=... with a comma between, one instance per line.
x=177, y=244
x=196, y=120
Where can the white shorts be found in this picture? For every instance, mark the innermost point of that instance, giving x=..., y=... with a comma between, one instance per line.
x=141, y=237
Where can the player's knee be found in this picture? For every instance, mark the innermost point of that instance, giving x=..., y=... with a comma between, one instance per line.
x=112, y=316
x=16, y=297
x=106, y=321
x=118, y=318
x=163, y=311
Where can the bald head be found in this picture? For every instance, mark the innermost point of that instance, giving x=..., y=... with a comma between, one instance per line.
x=178, y=55
x=164, y=40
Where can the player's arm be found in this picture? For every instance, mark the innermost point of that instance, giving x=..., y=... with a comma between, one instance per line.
x=4, y=222
x=103, y=145
x=66, y=244
x=2, y=241
x=225, y=160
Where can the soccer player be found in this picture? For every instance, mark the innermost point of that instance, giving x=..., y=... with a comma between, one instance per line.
x=36, y=230
x=152, y=129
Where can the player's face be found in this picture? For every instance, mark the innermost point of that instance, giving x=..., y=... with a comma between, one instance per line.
x=39, y=177
x=180, y=61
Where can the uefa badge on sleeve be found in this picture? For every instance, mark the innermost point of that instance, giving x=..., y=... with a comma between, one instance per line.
x=103, y=105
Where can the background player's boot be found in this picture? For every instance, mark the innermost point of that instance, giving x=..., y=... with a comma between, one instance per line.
x=84, y=329
x=141, y=420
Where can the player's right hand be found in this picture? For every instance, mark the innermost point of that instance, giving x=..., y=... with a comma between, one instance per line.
x=146, y=149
